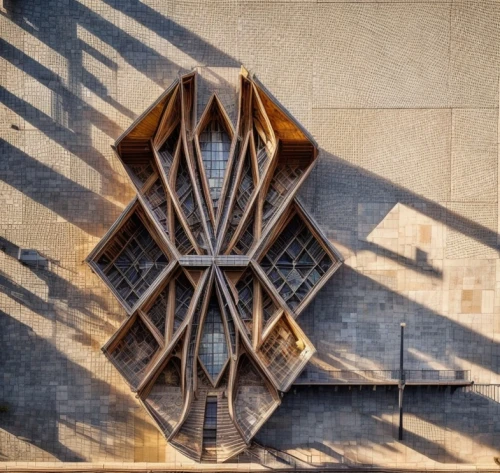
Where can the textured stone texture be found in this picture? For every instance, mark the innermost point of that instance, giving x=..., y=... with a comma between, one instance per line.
x=402, y=98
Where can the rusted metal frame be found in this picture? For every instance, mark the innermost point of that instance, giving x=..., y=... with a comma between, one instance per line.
x=232, y=197
x=242, y=127
x=190, y=161
x=169, y=184
x=239, y=324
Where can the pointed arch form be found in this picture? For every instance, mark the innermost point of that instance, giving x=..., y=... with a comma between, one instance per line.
x=213, y=353
x=253, y=398
x=214, y=140
x=213, y=261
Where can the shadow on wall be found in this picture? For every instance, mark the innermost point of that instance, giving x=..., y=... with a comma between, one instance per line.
x=339, y=426
x=86, y=313
x=354, y=324
x=336, y=186
x=49, y=394
x=40, y=370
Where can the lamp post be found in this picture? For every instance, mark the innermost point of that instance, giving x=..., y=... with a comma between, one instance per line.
x=401, y=382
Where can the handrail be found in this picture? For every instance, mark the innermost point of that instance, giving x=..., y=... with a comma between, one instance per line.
x=309, y=376
x=270, y=454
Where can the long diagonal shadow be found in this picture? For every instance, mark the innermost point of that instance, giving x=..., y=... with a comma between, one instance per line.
x=354, y=182
x=361, y=185
x=95, y=213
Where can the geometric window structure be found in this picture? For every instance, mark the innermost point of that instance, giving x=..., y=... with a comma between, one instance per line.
x=213, y=261
x=213, y=352
x=215, y=145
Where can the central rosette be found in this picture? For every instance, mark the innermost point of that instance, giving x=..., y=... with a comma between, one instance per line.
x=213, y=261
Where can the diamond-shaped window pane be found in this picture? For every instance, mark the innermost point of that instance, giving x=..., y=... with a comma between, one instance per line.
x=131, y=261
x=295, y=262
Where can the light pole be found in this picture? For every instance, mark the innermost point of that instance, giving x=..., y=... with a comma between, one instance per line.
x=401, y=382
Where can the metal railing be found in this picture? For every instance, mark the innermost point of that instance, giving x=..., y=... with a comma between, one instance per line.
x=272, y=458
x=309, y=376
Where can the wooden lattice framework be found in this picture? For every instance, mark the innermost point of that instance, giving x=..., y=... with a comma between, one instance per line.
x=213, y=261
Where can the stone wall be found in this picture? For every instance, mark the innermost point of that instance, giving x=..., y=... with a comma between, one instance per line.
x=402, y=98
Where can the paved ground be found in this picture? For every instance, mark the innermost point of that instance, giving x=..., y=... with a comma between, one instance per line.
x=402, y=98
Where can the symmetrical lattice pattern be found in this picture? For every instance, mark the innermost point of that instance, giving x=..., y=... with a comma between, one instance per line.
x=213, y=262
x=296, y=262
x=131, y=261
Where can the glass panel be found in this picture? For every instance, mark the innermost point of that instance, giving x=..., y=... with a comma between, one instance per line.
x=213, y=351
x=137, y=260
x=214, y=145
x=297, y=258
x=134, y=352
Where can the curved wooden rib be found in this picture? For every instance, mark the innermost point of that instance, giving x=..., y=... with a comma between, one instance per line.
x=254, y=399
x=164, y=398
x=254, y=221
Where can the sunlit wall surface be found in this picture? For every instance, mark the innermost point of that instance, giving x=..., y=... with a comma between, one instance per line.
x=402, y=99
